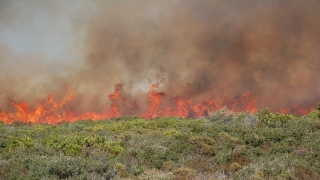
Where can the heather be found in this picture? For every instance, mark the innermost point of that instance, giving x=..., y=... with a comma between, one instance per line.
x=222, y=145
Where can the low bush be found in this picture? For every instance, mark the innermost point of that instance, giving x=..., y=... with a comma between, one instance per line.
x=223, y=145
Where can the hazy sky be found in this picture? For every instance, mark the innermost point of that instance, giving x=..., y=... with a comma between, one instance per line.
x=270, y=48
x=31, y=26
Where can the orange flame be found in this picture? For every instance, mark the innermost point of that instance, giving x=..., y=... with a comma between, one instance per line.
x=47, y=112
x=155, y=101
x=178, y=106
x=53, y=112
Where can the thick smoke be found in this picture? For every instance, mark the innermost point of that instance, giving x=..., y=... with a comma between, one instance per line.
x=222, y=48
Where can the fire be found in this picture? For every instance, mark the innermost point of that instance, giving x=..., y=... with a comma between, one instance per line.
x=184, y=107
x=160, y=105
x=155, y=101
x=46, y=112
x=297, y=109
x=285, y=111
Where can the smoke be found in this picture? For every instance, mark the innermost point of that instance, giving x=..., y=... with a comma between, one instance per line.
x=222, y=48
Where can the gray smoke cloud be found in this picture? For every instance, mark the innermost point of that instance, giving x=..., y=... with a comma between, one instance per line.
x=269, y=48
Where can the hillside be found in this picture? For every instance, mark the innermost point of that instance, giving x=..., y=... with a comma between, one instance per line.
x=224, y=145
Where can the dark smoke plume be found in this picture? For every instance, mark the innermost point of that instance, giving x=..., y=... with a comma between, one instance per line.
x=269, y=48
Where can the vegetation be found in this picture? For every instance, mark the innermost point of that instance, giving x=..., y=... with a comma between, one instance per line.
x=223, y=145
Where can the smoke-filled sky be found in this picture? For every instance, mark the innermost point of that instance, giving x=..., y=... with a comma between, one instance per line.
x=222, y=48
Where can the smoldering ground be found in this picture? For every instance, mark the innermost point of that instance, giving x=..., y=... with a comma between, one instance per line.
x=221, y=48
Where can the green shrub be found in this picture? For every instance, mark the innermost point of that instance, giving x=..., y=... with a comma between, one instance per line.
x=72, y=144
x=229, y=145
x=272, y=134
x=315, y=126
x=172, y=133
x=253, y=139
x=281, y=148
x=125, y=136
x=222, y=115
x=223, y=156
x=257, y=176
x=181, y=147
x=184, y=173
x=235, y=166
x=168, y=166
x=151, y=174
x=205, y=145
x=156, y=157
x=315, y=114
x=273, y=120
x=121, y=170
x=304, y=173
x=12, y=143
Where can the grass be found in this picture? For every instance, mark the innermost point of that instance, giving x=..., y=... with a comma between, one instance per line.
x=223, y=145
